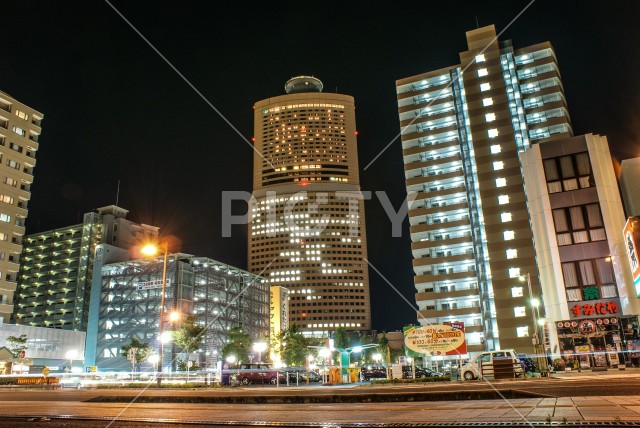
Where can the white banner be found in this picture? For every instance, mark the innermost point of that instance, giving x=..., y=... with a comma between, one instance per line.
x=148, y=285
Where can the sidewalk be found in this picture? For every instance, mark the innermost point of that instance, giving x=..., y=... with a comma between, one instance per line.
x=629, y=371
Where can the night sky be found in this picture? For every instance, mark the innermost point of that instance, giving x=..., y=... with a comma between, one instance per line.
x=114, y=110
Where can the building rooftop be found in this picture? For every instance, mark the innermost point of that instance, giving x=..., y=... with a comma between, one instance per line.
x=301, y=84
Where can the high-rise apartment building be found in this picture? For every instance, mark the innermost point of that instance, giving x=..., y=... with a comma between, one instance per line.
x=307, y=229
x=19, y=132
x=54, y=282
x=577, y=220
x=629, y=180
x=463, y=130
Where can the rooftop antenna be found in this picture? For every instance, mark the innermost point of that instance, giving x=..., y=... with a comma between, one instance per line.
x=118, y=193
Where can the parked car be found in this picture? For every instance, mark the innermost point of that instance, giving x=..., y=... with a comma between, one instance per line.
x=420, y=372
x=527, y=363
x=258, y=373
x=484, y=360
x=373, y=371
x=300, y=373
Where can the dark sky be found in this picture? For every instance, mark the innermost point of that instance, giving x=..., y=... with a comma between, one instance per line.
x=115, y=111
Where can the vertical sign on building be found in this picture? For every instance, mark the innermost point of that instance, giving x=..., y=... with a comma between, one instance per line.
x=632, y=244
x=278, y=313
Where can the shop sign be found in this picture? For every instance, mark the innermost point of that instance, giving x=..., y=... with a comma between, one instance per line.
x=595, y=308
x=574, y=324
x=587, y=327
x=436, y=339
x=632, y=244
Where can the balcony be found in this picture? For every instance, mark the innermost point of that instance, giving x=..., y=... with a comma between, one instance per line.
x=434, y=313
x=432, y=295
x=448, y=240
x=426, y=278
x=428, y=261
x=436, y=209
x=439, y=225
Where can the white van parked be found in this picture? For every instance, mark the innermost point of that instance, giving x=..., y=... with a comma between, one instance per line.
x=484, y=361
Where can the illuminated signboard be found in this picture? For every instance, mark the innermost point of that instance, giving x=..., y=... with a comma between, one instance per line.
x=632, y=244
x=436, y=339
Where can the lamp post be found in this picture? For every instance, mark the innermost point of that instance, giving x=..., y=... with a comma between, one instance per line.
x=259, y=347
x=71, y=354
x=535, y=313
x=151, y=250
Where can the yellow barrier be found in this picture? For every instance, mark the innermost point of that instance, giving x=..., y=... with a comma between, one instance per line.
x=38, y=380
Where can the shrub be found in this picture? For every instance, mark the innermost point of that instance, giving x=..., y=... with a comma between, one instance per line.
x=422, y=380
x=9, y=381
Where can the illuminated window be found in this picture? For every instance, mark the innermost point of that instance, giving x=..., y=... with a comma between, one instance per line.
x=522, y=331
x=514, y=272
x=480, y=58
x=486, y=102
x=490, y=117
x=495, y=149
x=485, y=87
x=509, y=235
x=498, y=165
x=482, y=72
x=505, y=217
x=519, y=311
x=501, y=182
x=512, y=253
x=503, y=199
x=516, y=292
x=492, y=133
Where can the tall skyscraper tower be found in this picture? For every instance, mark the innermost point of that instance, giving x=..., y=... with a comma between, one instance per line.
x=463, y=130
x=307, y=229
x=19, y=132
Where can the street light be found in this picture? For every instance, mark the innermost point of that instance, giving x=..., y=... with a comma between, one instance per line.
x=537, y=321
x=174, y=316
x=377, y=357
x=151, y=250
x=71, y=355
x=259, y=347
x=153, y=359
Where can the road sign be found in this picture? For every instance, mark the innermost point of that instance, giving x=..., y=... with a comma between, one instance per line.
x=92, y=369
x=45, y=371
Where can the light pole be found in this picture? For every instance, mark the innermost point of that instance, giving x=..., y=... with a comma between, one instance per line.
x=535, y=313
x=151, y=250
x=71, y=354
x=259, y=347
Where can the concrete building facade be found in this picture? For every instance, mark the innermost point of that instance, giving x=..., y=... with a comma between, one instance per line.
x=307, y=228
x=20, y=128
x=577, y=220
x=463, y=129
x=54, y=282
x=629, y=180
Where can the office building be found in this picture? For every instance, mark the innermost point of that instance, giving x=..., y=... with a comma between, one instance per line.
x=19, y=132
x=463, y=130
x=630, y=186
x=125, y=303
x=59, y=350
x=54, y=283
x=307, y=228
x=577, y=220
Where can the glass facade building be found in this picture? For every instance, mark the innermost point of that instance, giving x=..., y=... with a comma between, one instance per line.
x=126, y=304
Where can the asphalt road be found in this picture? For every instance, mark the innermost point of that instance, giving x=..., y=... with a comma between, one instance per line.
x=613, y=397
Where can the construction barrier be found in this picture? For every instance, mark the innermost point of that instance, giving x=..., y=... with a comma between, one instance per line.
x=38, y=380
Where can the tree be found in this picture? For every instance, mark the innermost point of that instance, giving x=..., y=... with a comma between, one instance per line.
x=17, y=344
x=143, y=351
x=295, y=347
x=341, y=338
x=238, y=342
x=189, y=337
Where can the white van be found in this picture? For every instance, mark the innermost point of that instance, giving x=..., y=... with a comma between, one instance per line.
x=484, y=360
